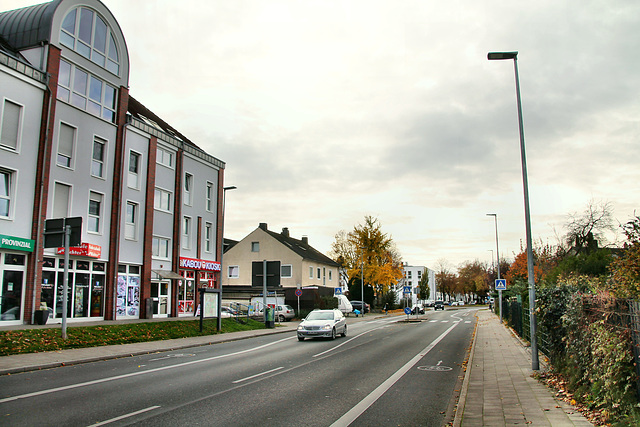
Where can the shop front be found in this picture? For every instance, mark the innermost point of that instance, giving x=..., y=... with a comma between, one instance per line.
x=86, y=278
x=195, y=273
x=13, y=264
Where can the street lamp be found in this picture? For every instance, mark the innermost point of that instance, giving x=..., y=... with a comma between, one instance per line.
x=362, y=281
x=224, y=197
x=495, y=217
x=532, y=286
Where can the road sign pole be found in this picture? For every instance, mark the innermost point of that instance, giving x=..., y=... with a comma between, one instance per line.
x=65, y=280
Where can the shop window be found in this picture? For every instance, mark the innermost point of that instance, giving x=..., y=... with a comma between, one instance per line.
x=66, y=142
x=87, y=33
x=6, y=193
x=82, y=265
x=10, y=130
x=97, y=158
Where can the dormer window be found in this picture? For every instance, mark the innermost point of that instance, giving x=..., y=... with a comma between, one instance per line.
x=87, y=33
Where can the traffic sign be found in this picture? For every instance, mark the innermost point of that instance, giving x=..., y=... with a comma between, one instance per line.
x=298, y=292
x=501, y=284
x=407, y=289
x=337, y=291
x=407, y=310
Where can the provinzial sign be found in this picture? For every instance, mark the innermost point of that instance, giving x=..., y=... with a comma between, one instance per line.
x=199, y=264
x=16, y=243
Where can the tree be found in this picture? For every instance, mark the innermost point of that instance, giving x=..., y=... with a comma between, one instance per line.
x=586, y=230
x=519, y=269
x=625, y=270
x=368, y=248
x=472, y=278
x=423, y=287
x=446, y=280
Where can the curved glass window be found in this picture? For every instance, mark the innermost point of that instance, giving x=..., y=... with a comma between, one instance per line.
x=87, y=33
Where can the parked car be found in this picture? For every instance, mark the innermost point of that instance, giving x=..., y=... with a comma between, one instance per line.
x=323, y=323
x=417, y=309
x=460, y=303
x=228, y=312
x=430, y=303
x=359, y=304
x=283, y=313
x=438, y=305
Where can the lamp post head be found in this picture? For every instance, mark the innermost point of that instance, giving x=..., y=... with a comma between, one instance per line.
x=491, y=56
x=496, y=215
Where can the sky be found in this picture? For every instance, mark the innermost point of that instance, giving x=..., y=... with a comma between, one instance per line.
x=326, y=111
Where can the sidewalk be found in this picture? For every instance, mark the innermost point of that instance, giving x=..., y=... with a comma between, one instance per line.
x=498, y=389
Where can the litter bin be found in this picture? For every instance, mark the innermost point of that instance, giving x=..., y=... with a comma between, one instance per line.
x=270, y=322
x=41, y=317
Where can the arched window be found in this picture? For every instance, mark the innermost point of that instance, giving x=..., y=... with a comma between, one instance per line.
x=84, y=31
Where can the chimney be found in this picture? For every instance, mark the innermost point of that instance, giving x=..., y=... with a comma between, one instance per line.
x=305, y=240
x=285, y=231
x=263, y=225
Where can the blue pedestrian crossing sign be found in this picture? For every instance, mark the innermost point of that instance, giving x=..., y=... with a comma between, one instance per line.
x=337, y=291
x=501, y=284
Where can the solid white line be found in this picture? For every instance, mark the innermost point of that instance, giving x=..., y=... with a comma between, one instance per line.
x=364, y=404
x=135, y=374
x=257, y=375
x=122, y=417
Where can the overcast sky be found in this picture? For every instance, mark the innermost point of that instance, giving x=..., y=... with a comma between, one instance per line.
x=326, y=111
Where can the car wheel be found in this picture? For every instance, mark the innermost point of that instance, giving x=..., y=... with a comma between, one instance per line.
x=300, y=338
x=281, y=318
x=344, y=332
x=333, y=334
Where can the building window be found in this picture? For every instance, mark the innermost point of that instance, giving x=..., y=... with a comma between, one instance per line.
x=310, y=272
x=164, y=157
x=162, y=200
x=61, y=197
x=330, y=275
x=133, y=179
x=160, y=248
x=10, y=130
x=186, y=233
x=208, y=237
x=319, y=276
x=87, y=33
x=209, y=197
x=234, y=271
x=6, y=193
x=97, y=159
x=131, y=221
x=95, y=211
x=86, y=92
x=286, y=270
x=188, y=185
x=255, y=246
x=66, y=141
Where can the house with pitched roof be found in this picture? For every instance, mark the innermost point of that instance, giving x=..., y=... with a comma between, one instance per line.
x=301, y=265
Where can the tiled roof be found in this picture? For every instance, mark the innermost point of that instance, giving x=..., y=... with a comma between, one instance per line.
x=302, y=248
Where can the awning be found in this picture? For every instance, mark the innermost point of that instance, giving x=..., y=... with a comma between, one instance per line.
x=168, y=274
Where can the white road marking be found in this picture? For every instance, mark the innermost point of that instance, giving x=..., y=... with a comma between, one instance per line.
x=122, y=417
x=257, y=375
x=348, y=341
x=364, y=404
x=135, y=374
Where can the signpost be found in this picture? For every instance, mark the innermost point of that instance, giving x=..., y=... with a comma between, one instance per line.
x=65, y=232
x=298, y=294
x=501, y=285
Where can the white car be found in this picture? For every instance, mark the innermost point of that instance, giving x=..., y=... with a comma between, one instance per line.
x=323, y=323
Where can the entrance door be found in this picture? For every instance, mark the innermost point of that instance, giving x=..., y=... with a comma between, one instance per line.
x=11, y=295
x=160, y=293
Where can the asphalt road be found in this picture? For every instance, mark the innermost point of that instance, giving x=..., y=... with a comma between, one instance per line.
x=385, y=372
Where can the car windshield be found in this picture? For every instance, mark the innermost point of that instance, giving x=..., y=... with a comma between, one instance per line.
x=320, y=316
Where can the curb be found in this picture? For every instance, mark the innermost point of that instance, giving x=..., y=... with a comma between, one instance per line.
x=457, y=421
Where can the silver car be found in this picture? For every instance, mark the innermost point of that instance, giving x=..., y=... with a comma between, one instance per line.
x=323, y=323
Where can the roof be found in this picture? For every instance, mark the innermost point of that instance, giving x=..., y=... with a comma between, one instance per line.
x=28, y=26
x=301, y=247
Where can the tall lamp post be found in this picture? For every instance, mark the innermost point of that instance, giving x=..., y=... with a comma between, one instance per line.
x=495, y=217
x=362, y=281
x=224, y=198
x=535, y=365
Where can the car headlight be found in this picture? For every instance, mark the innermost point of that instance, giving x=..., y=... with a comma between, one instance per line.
x=326, y=327
x=300, y=327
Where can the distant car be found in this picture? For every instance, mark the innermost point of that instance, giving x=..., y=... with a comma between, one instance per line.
x=228, y=312
x=460, y=303
x=430, y=303
x=438, y=305
x=454, y=303
x=417, y=309
x=323, y=323
x=357, y=305
x=283, y=313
